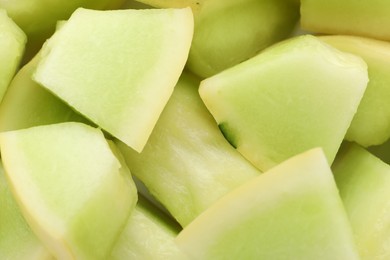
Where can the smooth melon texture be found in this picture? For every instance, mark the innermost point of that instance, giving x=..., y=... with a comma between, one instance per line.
x=148, y=234
x=28, y=104
x=364, y=184
x=371, y=123
x=17, y=241
x=296, y=95
x=187, y=164
x=194, y=4
x=12, y=44
x=73, y=192
x=118, y=68
x=290, y=212
x=368, y=18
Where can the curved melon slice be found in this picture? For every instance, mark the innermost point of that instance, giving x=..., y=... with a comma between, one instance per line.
x=17, y=241
x=294, y=96
x=71, y=189
x=12, y=44
x=292, y=211
x=118, y=68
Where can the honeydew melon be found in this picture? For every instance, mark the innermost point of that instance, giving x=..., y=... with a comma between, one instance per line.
x=17, y=241
x=148, y=234
x=187, y=164
x=12, y=44
x=296, y=95
x=110, y=65
x=72, y=190
x=371, y=123
x=364, y=184
x=292, y=211
x=368, y=18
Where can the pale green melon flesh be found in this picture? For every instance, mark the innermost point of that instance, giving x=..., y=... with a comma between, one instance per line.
x=187, y=164
x=148, y=235
x=17, y=241
x=371, y=123
x=74, y=193
x=292, y=211
x=364, y=184
x=12, y=44
x=297, y=95
x=364, y=17
x=110, y=65
x=27, y=104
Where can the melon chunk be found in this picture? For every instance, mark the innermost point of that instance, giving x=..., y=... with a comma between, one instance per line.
x=72, y=190
x=110, y=65
x=17, y=241
x=364, y=184
x=296, y=95
x=292, y=211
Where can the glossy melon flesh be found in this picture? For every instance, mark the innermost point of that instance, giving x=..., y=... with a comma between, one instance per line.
x=74, y=193
x=187, y=164
x=12, y=44
x=371, y=123
x=292, y=211
x=296, y=95
x=364, y=184
x=17, y=241
x=110, y=65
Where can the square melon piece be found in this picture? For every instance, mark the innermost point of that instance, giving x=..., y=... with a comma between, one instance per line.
x=118, y=68
x=71, y=188
x=294, y=96
x=292, y=211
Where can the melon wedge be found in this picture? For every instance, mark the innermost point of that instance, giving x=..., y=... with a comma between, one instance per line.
x=72, y=190
x=118, y=68
x=364, y=184
x=17, y=241
x=292, y=211
x=297, y=95
x=12, y=44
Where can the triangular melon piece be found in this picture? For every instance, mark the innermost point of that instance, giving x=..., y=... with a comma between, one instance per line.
x=364, y=184
x=72, y=190
x=292, y=211
x=118, y=68
x=297, y=95
x=12, y=44
x=17, y=241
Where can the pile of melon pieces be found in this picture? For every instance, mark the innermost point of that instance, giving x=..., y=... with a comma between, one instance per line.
x=195, y=129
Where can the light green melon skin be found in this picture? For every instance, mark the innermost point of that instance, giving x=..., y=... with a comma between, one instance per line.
x=148, y=235
x=27, y=104
x=296, y=95
x=17, y=241
x=363, y=181
x=109, y=71
x=371, y=123
x=228, y=32
x=12, y=44
x=187, y=164
x=292, y=211
x=368, y=18
x=74, y=193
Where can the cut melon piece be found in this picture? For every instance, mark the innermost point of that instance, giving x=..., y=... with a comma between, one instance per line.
x=364, y=17
x=17, y=241
x=187, y=164
x=12, y=44
x=118, y=68
x=296, y=95
x=27, y=104
x=364, y=184
x=371, y=123
x=72, y=190
x=290, y=212
x=148, y=234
